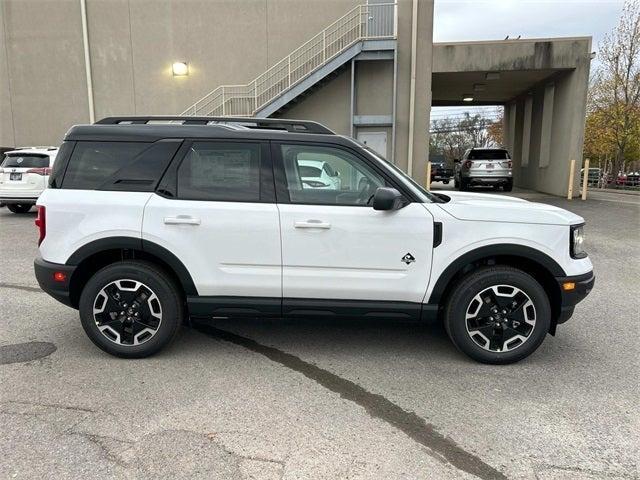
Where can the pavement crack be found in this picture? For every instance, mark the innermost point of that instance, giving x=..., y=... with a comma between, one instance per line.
x=377, y=406
x=52, y=405
x=17, y=286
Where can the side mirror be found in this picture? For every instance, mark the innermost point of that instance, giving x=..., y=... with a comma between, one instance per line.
x=387, y=199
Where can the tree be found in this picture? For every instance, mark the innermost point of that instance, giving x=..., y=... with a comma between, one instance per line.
x=452, y=137
x=613, y=118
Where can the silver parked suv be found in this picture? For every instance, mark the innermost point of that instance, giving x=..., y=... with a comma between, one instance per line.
x=484, y=166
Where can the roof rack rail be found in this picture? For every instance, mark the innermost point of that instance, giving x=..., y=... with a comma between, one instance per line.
x=294, y=126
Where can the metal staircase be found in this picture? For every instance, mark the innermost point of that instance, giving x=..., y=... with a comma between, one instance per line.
x=366, y=27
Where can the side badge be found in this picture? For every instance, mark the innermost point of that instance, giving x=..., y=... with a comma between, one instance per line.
x=408, y=258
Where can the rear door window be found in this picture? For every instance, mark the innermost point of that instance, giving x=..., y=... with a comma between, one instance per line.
x=221, y=171
x=16, y=160
x=94, y=162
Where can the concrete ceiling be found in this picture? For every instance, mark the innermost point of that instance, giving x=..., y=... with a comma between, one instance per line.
x=449, y=87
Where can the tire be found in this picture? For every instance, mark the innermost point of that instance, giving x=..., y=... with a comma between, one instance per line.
x=489, y=341
x=19, y=207
x=159, y=313
x=464, y=184
x=508, y=186
x=446, y=182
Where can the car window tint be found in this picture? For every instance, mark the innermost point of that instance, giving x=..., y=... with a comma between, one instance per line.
x=25, y=161
x=488, y=155
x=93, y=162
x=353, y=182
x=220, y=171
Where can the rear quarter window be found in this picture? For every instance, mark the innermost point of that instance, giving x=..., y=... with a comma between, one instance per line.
x=93, y=163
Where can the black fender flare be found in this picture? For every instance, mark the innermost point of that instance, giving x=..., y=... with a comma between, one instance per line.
x=488, y=251
x=132, y=243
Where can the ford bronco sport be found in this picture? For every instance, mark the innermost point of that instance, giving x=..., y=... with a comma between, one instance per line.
x=150, y=221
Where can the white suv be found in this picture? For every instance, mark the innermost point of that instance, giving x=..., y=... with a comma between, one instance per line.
x=24, y=174
x=148, y=224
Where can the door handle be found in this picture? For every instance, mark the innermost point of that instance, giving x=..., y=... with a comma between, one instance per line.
x=182, y=220
x=312, y=224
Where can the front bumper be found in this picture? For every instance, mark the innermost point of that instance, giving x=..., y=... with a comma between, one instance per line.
x=570, y=298
x=45, y=275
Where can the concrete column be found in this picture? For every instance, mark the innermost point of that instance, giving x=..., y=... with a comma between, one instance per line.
x=526, y=131
x=547, y=125
x=422, y=107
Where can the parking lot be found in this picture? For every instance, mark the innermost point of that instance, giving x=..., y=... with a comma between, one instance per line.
x=325, y=400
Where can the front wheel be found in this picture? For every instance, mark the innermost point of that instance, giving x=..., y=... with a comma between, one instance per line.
x=19, y=207
x=498, y=315
x=131, y=309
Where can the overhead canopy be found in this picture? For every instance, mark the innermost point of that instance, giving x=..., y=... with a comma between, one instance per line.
x=495, y=72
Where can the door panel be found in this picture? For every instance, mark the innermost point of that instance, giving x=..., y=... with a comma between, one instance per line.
x=220, y=219
x=355, y=252
x=229, y=248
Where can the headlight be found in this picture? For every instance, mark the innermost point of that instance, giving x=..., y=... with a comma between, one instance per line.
x=577, y=241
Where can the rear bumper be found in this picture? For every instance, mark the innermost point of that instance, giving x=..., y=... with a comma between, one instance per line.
x=57, y=289
x=569, y=299
x=11, y=200
x=488, y=180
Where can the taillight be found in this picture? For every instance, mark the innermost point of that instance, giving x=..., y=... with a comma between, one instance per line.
x=41, y=223
x=40, y=171
x=468, y=164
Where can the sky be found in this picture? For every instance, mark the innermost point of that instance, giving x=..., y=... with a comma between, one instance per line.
x=460, y=20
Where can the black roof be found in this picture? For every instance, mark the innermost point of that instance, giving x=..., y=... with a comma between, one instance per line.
x=150, y=129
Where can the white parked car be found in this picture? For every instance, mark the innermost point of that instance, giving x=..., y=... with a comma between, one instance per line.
x=318, y=174
x=146, y=224
x=24, y=174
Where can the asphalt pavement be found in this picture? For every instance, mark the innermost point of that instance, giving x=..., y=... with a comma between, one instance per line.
x=314, y=399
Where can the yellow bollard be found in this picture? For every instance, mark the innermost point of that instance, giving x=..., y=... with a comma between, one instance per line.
x=428, y=182
x=571, y=174
x=585, y=179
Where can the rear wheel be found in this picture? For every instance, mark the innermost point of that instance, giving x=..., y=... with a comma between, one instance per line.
x=131, y=309
x=508, y=186
x=498, y=315
x=19, y=207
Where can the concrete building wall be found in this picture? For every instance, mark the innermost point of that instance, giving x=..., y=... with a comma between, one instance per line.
x=44, y=65
x=330, y=104
x=132, y=45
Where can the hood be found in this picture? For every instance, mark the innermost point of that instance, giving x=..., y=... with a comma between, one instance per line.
x=503, y=208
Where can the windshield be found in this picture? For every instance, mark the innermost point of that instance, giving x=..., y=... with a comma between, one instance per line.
x=17, y=160
x=433, y=198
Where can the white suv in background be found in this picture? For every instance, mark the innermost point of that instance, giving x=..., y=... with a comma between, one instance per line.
x=146, y=224
x=24, y=174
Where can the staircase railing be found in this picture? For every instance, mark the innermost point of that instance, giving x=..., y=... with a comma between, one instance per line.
x=370, y=21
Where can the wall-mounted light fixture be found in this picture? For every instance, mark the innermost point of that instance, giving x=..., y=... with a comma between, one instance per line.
x=467, y=97
x=180, y=69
